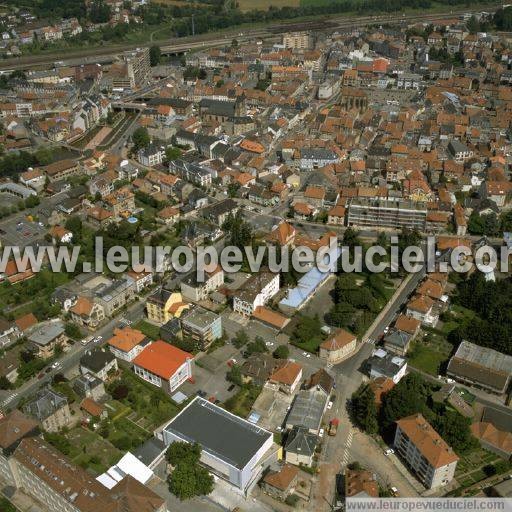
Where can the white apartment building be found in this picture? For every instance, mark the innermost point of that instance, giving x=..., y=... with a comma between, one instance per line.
x=257, y=291
x=424, y=451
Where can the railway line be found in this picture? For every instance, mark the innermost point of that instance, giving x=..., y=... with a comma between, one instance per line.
x=179, y=45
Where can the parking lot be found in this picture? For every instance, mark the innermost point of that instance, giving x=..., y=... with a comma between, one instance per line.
x=233, y=322
x=21, y=232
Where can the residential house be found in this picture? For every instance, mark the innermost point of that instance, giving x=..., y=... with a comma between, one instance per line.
x=384, y=364
x=280, y=482
x=201, y=326
x=100, y=363
x=87, y=313
x=300, y=446
x=286, y=377
x=127, y=343
x=196, y=291
x=163, y=305
x=163, y=365
x=421, y=308
x=47, y=337
x=338, y=347
x=493, y=439
x=88, y=386
x=50, y=408
x=360, y=483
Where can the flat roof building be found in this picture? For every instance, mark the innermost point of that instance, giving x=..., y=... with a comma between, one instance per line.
x=232, y=447
x=387, y=213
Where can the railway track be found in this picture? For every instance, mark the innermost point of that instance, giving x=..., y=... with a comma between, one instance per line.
x=328, y=23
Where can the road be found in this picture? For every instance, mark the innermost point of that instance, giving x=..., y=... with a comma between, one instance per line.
x=177, y=45
x=71, y=358
x=350, y=444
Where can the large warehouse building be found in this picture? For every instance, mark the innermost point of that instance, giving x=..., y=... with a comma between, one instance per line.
x=232, y=448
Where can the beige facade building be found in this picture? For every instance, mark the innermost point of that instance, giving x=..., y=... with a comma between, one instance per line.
x=424, y=451
x=338, y=347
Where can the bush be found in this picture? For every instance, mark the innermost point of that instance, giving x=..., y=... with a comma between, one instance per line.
x=292, y=500
x=120, y=392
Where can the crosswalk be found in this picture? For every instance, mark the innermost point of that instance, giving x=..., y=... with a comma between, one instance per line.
x=370, y=341
x=9, y=399
x=346, y=453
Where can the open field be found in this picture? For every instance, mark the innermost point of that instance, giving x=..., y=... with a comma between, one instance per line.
x=263, y=5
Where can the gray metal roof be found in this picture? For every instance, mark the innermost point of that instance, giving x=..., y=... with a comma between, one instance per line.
x=307, y=409
x=220, y=433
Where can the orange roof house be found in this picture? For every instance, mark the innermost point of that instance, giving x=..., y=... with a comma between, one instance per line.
x=127, y=343
x=163, y=365
x=283, y=234
x=25, y=322
x=493, y=439
x=287, y=376
x=338, y=346
x=407, y=324
x=252, y=146
x=380, y=386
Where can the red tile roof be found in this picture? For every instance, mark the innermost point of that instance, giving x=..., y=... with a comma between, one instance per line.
x=162, y=359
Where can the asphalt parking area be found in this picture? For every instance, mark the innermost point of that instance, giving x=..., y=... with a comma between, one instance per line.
x=20, y=232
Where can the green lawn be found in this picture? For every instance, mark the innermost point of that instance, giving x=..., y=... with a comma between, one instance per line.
x=90, y=450
x=241, y=403
x=150, y=330
x=426, y=359
x=147, y=405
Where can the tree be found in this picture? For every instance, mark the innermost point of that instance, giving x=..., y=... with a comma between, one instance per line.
x=365, y=409
x=408, y=397
x=74, y=224
x=120, y=392
x=486, y=224
x=188, y=479
x=257, y=346
x=155, y=55
x=503, y=19
x=240, y=339
x=455, y=430
x=351, y=238
x=183, y=452
x=281, y=352
x=4, y=383
x=73, y=331
x=307, y=328
x=234, y=375
x=172, y=153
x=140, y=138
x=99, y=12
x=473, y=25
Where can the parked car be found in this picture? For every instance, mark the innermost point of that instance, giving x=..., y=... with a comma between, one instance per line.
x=329, y=406
x=321, y=433
x=389, y=451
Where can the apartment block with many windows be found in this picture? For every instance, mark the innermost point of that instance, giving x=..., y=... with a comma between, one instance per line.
x=424, y=451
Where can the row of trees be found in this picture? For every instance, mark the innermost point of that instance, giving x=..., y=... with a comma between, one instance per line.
x=489, y=224
x=410, y=396
x=492, y=303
